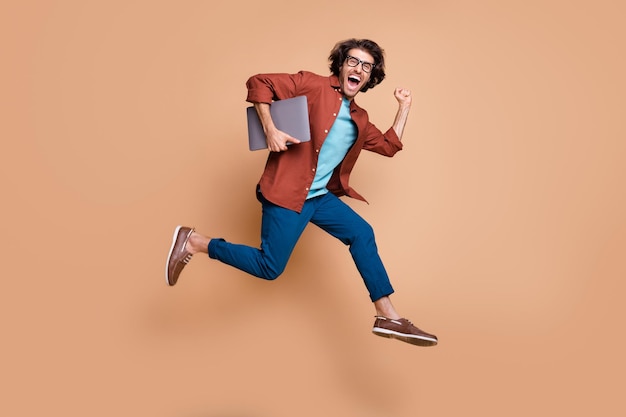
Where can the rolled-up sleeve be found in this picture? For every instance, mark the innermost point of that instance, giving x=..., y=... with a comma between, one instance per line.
x=386, y=144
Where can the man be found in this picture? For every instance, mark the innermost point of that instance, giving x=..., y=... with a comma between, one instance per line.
x=301, y=182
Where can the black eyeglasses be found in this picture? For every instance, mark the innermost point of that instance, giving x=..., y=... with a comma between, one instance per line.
x=354, y=61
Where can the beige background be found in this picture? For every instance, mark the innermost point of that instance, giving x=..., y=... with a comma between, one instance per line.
x=502, y=222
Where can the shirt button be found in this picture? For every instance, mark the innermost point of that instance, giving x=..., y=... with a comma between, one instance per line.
x=313, y=169
x=317, y=150
x=335, y=114
x=307, y=189
x=325, y=130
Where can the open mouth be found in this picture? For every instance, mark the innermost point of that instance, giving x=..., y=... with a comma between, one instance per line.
x=353, y=80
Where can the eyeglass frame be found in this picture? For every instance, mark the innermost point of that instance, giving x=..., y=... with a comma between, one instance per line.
x=359, y=61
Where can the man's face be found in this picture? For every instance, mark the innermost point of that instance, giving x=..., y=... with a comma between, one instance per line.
x=352, y=79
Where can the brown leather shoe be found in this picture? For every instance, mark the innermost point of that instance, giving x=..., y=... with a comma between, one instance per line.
x=178, y=257
x=404, y=330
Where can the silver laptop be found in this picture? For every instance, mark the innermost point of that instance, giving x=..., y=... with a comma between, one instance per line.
x=290, y=115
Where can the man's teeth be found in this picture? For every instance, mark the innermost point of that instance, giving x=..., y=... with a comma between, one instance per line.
x=354, y=79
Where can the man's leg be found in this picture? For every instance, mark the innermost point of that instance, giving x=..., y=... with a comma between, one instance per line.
x=384, y=308
x=338, y=219
x=280, y=230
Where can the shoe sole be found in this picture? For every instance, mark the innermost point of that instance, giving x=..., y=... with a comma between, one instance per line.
x=414, y=339
x=169, y=256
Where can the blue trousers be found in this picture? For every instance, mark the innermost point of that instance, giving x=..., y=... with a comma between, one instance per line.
x=281, y=228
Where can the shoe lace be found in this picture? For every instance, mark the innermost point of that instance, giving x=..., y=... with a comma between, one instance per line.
x=387, y=318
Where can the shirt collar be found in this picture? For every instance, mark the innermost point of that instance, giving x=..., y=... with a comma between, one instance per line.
x=334, y=83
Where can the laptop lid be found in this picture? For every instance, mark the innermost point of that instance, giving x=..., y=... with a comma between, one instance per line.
x=290, y=115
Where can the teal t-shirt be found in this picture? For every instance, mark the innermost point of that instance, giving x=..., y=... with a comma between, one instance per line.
x=341, y=137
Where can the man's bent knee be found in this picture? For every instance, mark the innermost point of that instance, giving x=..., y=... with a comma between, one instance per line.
x=270, y=273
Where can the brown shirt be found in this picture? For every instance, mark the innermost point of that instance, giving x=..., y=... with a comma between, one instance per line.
x=289, y=174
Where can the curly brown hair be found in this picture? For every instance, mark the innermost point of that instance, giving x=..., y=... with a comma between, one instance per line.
x=340, y=52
